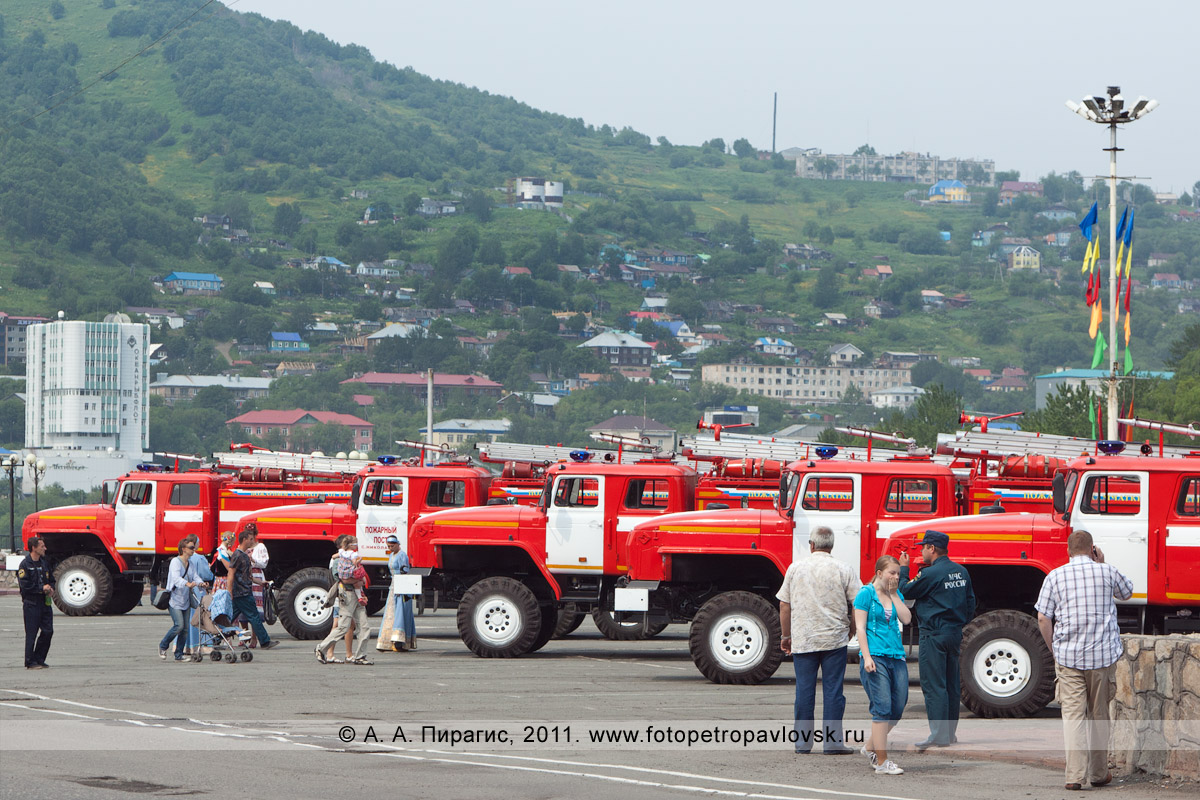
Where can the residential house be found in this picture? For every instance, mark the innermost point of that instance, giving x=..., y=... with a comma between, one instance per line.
x=679, y=329
x=328, y=264
x=1158, y=259
x=373, y=269
x=323, y=330
x=1057, y=213
x=981, y=374
x=659, y=435
x=880, y=309
x=201, y=283
x=965, y=361
x=395, y=330
x=215, y=221
x=285, y=342
x=654, y=304
x=1014, y=372
x=1059, y=239
x=570, y=269
x=949, y=191
x=900, y=397
x=906, y=167
x=1009, y=244
x=844, y=354
x=960, y=300
x=185, y=387
x=512, y=272
x=1166, y=198
x=288, y=423
x=359, y=194
x=452, y=433
x=1189, y=305
x=1025, y=257
x=1166, y=280
x=620, y=349
x=444, y=384
x=266, y=287
x=663, y=271
x=895, y=358
x=680, y=377
x=299, y=368
x=437, y=208
x=1007, y=384
x=932, y=299
x=984, y=238
x=1011, y=190
x=833, y=318
x=157, y=316
x=771, y=346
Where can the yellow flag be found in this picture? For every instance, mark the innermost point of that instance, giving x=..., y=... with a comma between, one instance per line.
x=1126, y=330
x=1097, y=318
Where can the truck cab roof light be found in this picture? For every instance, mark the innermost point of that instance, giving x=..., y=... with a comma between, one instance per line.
x=147, y=466
x=389, y=460
x=826, y=451
x=1111, y=447
x=581, y=456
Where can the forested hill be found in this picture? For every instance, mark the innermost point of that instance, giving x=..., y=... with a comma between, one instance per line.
x=228, y=102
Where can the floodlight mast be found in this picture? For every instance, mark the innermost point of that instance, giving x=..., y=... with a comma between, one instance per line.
x=1111, y=111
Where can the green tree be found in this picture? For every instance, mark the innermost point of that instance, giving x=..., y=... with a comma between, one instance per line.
x=936, y=411
x=826, y=166
x=743, y=149
x=865, y=150
x=57, y=10
x=825, y=293
x=719, y=146
x=478, y=204
x=1066, y=413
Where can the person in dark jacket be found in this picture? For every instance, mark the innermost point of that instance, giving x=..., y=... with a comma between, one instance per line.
x=37, y=590
x=944, y=603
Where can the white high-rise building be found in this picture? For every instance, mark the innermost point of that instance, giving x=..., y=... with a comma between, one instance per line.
x=87, y=386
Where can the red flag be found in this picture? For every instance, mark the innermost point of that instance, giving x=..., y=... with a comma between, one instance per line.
x=1128, y=291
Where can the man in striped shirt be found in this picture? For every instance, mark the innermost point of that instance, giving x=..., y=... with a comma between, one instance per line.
x=1077, y=614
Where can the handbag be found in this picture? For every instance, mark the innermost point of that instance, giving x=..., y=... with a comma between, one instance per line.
x=163, y=600
x=270, y=614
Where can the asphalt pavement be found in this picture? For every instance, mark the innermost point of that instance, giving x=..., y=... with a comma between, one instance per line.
x=583, y=718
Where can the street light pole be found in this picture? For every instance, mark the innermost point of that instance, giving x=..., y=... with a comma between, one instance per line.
x=1111, y=111
x=10, y=469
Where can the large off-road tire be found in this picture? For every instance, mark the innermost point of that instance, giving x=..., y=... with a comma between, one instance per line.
x=625, y=631
x=125, y=597
x=302, y=612
x=549, y=624
x=735, y=639
x=499, y=618
x=1007, y=671
x=569, y=619
x=83, y=586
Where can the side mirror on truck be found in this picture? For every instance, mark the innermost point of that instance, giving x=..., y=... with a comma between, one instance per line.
x=1058, y=488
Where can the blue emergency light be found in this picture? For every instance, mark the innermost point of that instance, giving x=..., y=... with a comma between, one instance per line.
x=1111, y=447
x=826, y=451
x=389, y=460
x=580, y=456
x=147, y=466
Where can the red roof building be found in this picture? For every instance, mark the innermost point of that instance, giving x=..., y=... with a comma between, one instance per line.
x=443, y=384
x=262, y=423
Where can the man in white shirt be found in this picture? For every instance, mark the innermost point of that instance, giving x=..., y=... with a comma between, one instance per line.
x=817, y=621
x=1077, y=615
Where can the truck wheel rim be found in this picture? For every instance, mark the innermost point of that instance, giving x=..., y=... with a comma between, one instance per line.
x=310, y=606
x=497, y=620
x=738, y=642
x=1002, y=668
x=77, y=587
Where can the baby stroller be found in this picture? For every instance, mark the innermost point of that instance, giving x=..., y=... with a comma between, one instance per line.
x=228, y=642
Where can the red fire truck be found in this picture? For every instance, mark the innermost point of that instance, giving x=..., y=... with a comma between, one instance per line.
x=102, y=554
x=719, y=570
x=1142, y=511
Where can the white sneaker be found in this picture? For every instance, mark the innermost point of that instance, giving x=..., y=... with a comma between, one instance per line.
x=162, y=653
x=888, y=768
x=870, y=754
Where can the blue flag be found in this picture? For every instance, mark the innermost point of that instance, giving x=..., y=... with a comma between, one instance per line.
x=1129, y=230
x=1085, y=226
x=1121, y=224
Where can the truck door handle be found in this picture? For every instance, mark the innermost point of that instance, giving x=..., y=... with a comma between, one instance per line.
x=595, y=524
x=1136, y=538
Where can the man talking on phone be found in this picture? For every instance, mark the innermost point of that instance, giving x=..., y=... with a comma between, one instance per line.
x=1077, y=614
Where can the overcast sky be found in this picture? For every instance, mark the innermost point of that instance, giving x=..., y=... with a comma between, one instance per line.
x=972, y=80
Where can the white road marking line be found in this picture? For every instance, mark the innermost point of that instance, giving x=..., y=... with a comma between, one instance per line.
x=81, y=705
x=47, y=711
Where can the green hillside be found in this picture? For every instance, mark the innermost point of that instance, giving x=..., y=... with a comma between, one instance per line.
x=230, y=113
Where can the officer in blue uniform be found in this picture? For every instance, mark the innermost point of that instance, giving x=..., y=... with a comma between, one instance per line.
x=37, y=588
x=944, y=603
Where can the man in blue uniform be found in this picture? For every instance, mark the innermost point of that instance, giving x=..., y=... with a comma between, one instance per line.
x=37, y=587
x=944, y=602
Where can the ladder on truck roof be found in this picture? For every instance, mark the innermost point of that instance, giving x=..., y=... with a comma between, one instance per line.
x=999, y=444
x=497, y=452
x=292, y=462
x=741, y=445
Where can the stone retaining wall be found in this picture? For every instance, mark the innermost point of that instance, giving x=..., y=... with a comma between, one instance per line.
x=1156, y=707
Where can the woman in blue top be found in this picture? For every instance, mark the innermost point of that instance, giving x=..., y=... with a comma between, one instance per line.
x=180, y=582
x=399, y=613
x=879, y=616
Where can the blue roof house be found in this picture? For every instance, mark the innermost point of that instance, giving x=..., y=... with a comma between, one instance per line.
x=193, y=283
x=287, y=343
